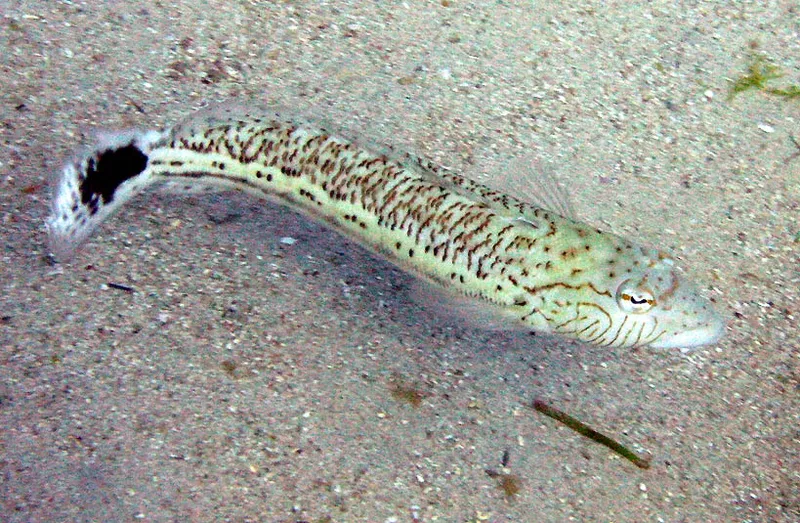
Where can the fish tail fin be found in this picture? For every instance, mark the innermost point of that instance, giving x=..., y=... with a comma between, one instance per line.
x=96, y=183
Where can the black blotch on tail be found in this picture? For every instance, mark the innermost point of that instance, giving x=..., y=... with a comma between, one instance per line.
x=106, y=171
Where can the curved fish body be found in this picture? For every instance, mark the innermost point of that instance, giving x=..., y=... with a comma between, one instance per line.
x=543, y=271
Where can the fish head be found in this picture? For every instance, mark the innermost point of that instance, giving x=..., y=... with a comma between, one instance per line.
x=656, y=295
x=615, y=293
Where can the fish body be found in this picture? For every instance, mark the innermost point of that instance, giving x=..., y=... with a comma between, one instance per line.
x=541, y=270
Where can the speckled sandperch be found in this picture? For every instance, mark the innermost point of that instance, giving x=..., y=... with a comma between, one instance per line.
x=533, y=267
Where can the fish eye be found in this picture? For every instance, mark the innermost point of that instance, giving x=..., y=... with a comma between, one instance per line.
x=634, y=299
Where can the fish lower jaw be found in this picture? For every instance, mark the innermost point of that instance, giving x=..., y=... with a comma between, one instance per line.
x=691, y=339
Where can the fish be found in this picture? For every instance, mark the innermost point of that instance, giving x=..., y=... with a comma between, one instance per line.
x=531, y=267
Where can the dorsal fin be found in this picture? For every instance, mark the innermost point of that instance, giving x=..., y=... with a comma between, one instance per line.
x=533, y=181
x=527, y=178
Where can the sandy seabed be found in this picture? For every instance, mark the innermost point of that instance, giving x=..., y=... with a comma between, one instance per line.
x=249, y=379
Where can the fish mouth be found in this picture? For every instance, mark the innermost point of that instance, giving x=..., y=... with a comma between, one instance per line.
x=706, y=334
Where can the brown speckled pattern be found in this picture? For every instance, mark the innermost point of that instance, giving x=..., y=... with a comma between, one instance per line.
x=549, y=272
